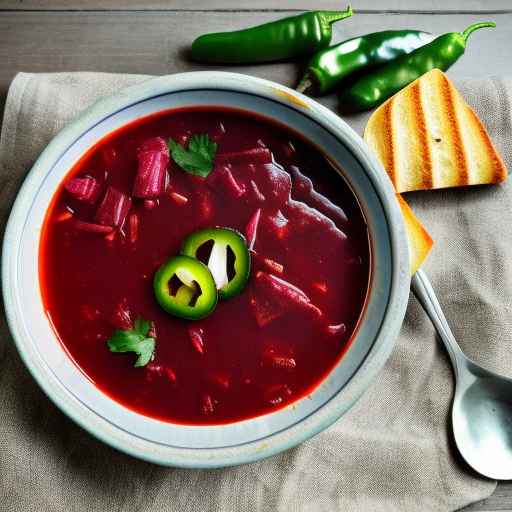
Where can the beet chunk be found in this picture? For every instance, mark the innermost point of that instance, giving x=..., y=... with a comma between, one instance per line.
x=249, y=156
x=114, y=208
x=85, y=189
x=153, y=157
x=251, y=229
x=90, y=227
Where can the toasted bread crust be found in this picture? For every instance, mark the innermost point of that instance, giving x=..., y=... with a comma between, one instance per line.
x=427, y=136
x=499, y=169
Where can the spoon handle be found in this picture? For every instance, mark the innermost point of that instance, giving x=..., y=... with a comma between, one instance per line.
x=426, y=296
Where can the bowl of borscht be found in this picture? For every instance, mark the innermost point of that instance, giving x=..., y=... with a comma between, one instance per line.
x=205, y=269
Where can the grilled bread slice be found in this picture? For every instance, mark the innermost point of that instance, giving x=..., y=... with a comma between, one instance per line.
x=420, y=242
x=427, y=136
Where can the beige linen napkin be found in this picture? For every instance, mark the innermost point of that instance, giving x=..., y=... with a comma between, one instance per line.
x=390, y=452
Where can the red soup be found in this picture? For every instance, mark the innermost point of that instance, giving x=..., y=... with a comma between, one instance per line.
x=127, y=206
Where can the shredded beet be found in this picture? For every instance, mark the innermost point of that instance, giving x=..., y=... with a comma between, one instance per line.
x=288, y=149
x=196, y=337
x=282, y=287
x=170, y=374
x=303, y=191
x=133, y=227
x=207, y=405
x=218, y=132
x=92, y=228
x=284, y=296
x=63, y=216
x=249, y=156
x=273, y=265
x=121, y=317
x=251, y=230
x=268, y=264
x=277, y=393
x=337, y=329
x=320, y=286
x=85, y=189
x=178, y=198
x=167, y=180
x=223, y=176
x=114, y=208
x=157, y=371
x=287, y=363
x=236, y=189
x=110, y=237
x=276, y=360
x=220, y=380
x=257, y=192
x=153, y=370
x=153, y=157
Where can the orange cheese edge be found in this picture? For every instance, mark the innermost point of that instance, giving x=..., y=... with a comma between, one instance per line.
x=420, y=242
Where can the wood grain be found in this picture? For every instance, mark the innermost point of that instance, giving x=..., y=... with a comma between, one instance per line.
x=156, y=43
x=136, y=39
x=500, y=500
x=251, y=5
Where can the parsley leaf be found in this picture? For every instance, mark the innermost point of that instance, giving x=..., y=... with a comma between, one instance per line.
x=134, y=340
x=197, y=158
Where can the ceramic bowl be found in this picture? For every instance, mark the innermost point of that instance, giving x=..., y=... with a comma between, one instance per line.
x=243, y=441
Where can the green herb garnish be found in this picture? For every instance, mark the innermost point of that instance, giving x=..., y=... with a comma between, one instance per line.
x=134, y=340
x=197, y=158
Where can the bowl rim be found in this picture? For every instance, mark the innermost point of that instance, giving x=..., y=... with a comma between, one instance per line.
x=400, y=279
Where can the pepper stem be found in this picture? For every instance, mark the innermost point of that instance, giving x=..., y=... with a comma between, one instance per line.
x=305, y=84
x=329, y=17
x=474, y=27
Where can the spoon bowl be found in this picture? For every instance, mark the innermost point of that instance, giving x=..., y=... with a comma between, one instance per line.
x=482, y=403
x=482, y=422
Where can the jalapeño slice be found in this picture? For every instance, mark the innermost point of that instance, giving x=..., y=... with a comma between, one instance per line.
x=229, y=260
x=185, y=288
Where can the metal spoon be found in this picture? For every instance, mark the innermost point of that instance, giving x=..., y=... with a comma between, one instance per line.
x=482, y=404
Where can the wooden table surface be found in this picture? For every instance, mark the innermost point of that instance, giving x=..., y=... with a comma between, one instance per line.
x=151, y=37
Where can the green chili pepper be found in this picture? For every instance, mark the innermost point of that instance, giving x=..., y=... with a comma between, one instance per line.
x=278, y=40
x=229, y=260
x=196, y=293
x=374, y=88
x=330, y=66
